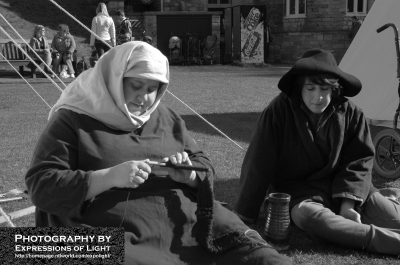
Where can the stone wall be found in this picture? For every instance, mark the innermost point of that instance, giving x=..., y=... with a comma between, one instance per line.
x=114, y=5
x=148, y=22
x=248, y=2
x=139, y=6
x=189, y=5
x=150, y=26
x=325, y=26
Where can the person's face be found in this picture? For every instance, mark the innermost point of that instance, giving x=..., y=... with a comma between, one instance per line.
x=139, y=94
x=119, y=19
x=316, y=97
x=63, y=32
x=40, y=33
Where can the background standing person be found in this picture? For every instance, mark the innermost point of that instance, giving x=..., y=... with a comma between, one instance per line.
x=103, y=26
x=40, y=45
x=124, y=28
x=314, y=144
x=63, y=46
x=267, y=39
x=355, y=26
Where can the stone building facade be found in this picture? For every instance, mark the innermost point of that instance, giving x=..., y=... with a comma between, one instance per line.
x=325, y=25
x=296, y=25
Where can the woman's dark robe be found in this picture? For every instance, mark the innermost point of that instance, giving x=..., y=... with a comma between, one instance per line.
x=282, y=153
x=165, y=222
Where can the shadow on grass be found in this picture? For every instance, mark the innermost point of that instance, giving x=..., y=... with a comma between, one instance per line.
x=238, y=126
x=226, y=190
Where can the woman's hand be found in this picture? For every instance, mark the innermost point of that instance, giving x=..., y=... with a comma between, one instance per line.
x=348, y=212
x=184, y=176
x=130, y=174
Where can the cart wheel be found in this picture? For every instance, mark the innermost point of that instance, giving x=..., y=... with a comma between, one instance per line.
x=387, y=154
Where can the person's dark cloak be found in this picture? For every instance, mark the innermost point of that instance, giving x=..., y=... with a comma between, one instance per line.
x=282, y=154
x=165, y=222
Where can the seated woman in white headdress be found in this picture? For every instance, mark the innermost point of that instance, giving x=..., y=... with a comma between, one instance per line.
x=91, y=167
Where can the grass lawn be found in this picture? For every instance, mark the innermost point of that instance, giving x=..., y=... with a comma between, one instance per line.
x=229, y=97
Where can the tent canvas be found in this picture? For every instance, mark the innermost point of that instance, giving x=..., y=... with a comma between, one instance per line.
x=372, y=58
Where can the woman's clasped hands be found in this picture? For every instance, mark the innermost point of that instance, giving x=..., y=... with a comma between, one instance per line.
x=133, y=173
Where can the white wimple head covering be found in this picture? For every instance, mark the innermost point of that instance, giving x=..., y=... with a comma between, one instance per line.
x=98, y=92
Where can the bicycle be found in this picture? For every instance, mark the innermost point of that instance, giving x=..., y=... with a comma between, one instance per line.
x=387, y=142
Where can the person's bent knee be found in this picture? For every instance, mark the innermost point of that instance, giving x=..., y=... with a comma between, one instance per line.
x=303, y=214
x=300, y=214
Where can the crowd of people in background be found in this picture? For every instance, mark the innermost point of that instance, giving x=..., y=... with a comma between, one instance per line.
x=58, y=55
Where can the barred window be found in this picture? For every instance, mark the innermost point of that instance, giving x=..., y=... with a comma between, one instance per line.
x=356, y=7
x=296, y=8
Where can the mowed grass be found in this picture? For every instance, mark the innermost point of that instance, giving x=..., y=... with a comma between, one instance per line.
x=231, y=98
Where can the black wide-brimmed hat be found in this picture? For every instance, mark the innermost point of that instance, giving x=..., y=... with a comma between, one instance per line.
x=318, y=61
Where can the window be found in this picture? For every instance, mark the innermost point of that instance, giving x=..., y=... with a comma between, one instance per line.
x=214, y=3
x=356, y=7
x=295, y=8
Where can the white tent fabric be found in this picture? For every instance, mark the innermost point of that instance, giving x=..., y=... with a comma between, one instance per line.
x=372, y=58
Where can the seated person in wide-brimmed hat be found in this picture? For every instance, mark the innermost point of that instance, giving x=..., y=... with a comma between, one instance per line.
x=91, y=168
x=314, y=144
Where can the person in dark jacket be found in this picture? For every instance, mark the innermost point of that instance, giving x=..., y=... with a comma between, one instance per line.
x=355, y=26
x=314, y=144
x=40, y=45
x=124, y=28
x=91, y=167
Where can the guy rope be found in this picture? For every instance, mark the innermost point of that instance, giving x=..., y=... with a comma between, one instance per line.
x=209, y=123
x=7, y=218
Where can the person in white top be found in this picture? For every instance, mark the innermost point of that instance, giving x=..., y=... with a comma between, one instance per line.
x=103, y=26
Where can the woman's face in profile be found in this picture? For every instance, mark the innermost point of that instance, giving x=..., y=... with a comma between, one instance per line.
x=40, y=33
x=139, y=94
x=315, y=96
